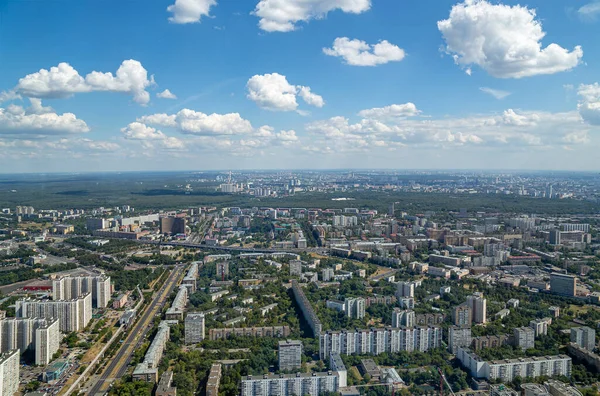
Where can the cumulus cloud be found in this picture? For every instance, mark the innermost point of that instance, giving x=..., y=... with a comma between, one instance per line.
x=503, y=40
x=274, y=92
x=589, y=105
x=39, y=121
x=310, y=98
x=359, y=53
x=140, y=131
x=496, y=93
x=190, y=11
x=63, y=81
x=6, y=96
x=282, y=15
x=166, y=94
x=197, y=123
x=389, y=112
x=512, y=128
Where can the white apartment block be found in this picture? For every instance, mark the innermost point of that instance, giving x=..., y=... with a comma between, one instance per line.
x=47, y=342
x=379, y=340
x=70, y=287
x=403, y=318
x=73, y=315
x=9, y=373
x=40, y=335
x=508, y=370
x=148, y=369
x=292, y=384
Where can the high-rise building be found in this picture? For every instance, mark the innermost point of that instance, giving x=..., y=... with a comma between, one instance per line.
x=565, y=285
x=70, y=287
x=96, y=224
x=584, y=336
x=380, y=340
x=540, y=326
x=327, y=274
x=9, y=373
x=555, y=237
x=403, y=318
x=194, y=328
x=172, y=225
x=26, y=334
x=355, y=307
x=73, y=315
x=462, y=315
x=405, y=289
x=459, y=336
x=524, y=337
x=290, y=355
x=47, y=342
x=478, y=305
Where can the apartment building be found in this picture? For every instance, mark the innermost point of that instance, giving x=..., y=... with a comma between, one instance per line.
x=290, y=355
x=194, y=328
x=9, y=373
x=148, y=369
x=73, y=315
x=307, y=310
x=313, y=384
x=25, y=334
x=376, y=341
x=70, y=287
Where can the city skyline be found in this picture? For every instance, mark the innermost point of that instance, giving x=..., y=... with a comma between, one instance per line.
x=319, y=84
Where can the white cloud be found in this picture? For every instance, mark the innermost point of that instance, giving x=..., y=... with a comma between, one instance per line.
x=590, y=11
x=63, y=81
x=166, y=94
x=39, y=121
x=282, y=15
x=197, y=123
x=589, y=105
x=359, y=53
x=287, y=136
x=140, y=131
x=274, y=92
x=310, y=98
x=389, y=112
x=6, y=96
x=512, y=128
x=161, y=119
x=503, y=40
x=496, y=93
x=190, y=11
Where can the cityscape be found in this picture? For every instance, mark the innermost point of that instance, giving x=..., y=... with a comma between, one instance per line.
x=299, y=198
x=364, y=287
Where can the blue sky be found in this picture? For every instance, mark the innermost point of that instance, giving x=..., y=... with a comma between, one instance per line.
x=281, y=83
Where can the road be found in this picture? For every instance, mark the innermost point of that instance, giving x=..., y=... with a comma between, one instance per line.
x=120, y=362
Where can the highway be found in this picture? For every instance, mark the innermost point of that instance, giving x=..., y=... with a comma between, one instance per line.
x=120, y=362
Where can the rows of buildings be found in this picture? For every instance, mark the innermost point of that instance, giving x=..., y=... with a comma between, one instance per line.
x=73, y=315
x=31, y=334
x=71, y=287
